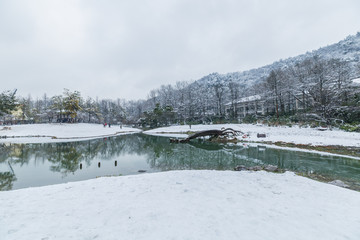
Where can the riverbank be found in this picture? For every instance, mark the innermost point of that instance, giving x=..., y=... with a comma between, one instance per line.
x=326, y=140
x=183, y=205
x=56, y=132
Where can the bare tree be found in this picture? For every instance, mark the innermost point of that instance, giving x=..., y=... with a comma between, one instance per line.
x=320, y=84
x=219, y=90
x=274, y=84
x=234, y=93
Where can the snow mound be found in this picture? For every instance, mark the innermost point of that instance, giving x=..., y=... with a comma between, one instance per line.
x=183, y=205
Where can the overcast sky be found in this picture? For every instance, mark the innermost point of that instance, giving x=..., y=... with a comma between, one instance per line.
x=123, y=48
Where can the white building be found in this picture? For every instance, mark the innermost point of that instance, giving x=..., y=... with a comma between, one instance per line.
x=252, y=105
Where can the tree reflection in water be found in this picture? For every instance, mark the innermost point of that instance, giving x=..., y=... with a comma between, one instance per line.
x=6, y=180
x=160, y=155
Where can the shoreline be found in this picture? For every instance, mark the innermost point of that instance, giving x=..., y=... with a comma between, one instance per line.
x=55, y=133
x=60, y=132
x=336, y=142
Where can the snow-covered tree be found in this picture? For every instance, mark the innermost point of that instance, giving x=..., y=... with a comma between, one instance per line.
x=71, y=102
x=7, y=102
x=274, y=83
x=58, y=106
x=234, y=93
x=92, y=110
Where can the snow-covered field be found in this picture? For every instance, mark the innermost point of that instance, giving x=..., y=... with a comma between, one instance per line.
x=41, y=133
x=183, y=205
x=283, y=133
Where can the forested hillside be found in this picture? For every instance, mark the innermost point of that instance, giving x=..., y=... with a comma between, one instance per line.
x=320, y=81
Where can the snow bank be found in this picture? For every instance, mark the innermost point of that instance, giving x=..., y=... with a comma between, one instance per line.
x=293, y=134
x=183, y=205
x=62, y=132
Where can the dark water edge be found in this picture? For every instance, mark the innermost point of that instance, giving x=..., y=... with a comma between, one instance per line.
x=30, y=165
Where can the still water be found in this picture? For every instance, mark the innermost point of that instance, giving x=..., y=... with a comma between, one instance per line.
x=30, y=165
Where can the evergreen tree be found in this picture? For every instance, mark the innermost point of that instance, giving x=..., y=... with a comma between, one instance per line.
x=72, y=103
x=7, y=102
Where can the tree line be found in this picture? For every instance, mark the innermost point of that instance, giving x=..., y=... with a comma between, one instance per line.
x=315, y=87
x=69, y=107
x=312, y=87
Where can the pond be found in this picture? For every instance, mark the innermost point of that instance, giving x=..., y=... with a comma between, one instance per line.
x=30, y=165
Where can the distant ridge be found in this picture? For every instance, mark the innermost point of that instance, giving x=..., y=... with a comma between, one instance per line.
x=347, y=49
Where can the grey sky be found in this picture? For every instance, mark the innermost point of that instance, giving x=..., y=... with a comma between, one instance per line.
x=123, y=49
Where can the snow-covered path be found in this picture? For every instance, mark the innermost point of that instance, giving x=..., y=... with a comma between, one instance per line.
x=183, y=205
x=63, y=132
x=282, y=133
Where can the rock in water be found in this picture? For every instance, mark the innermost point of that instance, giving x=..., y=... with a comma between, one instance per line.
x=271, y=168
x=256, y=168
x=240, y=168
x=339, y=183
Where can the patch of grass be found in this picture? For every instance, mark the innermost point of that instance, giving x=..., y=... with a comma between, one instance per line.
x=350, y=127
x=113, y=175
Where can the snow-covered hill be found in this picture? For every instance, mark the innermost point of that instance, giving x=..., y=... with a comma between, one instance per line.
x=347, y=49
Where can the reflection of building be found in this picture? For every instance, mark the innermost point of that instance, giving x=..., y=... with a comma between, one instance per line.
x=252, y=105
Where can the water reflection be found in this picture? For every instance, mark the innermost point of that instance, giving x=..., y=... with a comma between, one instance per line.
x=23, y=165
x=6, y=180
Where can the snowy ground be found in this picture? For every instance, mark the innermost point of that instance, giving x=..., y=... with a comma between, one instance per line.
x=41, y=133
x=285, y=134
x=183, y=205
x=83, y=131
